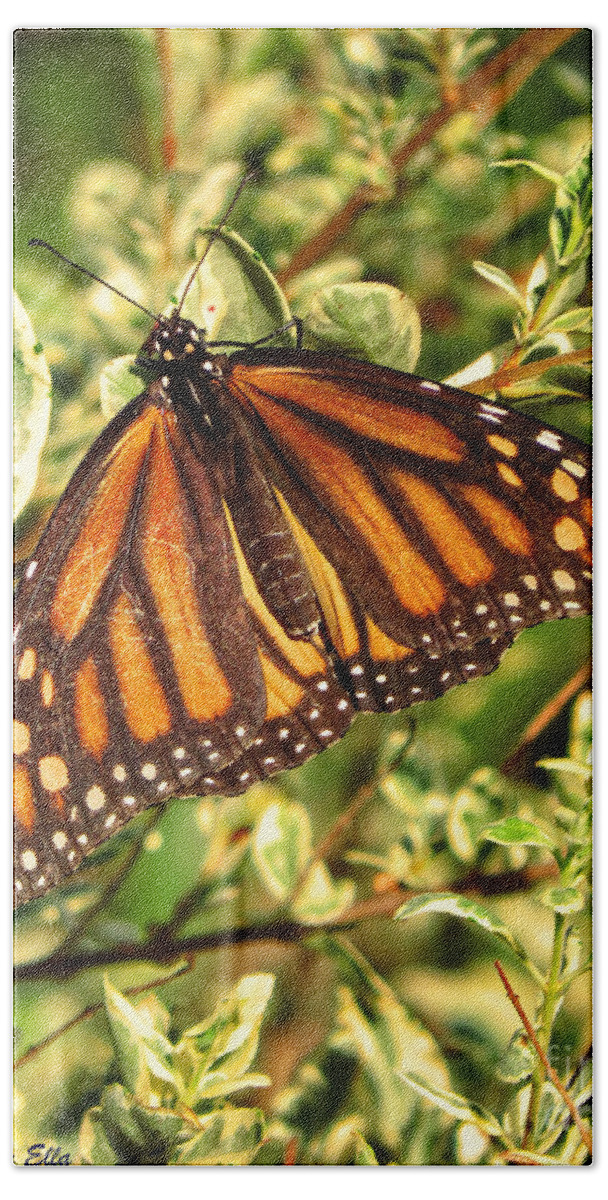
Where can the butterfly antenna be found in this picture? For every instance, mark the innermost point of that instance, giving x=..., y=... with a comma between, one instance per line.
x=83, y=270
x=215, y=233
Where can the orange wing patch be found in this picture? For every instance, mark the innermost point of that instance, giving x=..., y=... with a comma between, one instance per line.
x=164, y=548
x=90, y=560
x=346, y=488
x=282, y=694
x=328, y=589
x=302, y=655
x=23, y=793
x=505, y=526
x=146, y=710
x=390, y=423
x=383, y=648
x=90, y=710
x=456, y=544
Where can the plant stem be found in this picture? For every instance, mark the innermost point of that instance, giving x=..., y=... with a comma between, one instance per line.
x=553, y=993
x=549, y=1071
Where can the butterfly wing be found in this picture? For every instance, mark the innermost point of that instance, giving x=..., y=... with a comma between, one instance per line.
x=444, y=523
x=136, y=660
x=188, y=626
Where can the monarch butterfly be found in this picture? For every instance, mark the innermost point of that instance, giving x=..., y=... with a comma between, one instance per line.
x=256, y=548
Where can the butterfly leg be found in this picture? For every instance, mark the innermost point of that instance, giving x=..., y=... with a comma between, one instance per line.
x=294, y=323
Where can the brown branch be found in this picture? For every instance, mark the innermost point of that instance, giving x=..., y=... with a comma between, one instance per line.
x=91, y=1011
x=165, y=949
x=507, y=71
x=549, y=1070
x=168, y=145
x=506, y=376
x=165, y=64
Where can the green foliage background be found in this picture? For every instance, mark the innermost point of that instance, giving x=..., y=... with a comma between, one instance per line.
x=127, y=146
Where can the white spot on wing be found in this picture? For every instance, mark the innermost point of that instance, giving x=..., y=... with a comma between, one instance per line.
x=550, y=439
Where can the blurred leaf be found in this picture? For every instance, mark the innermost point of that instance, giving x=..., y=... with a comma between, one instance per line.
x=32, y=406
x=320, y=899
x=566, y=766
x=228, y=1041
x=563, y=899
x=123, y=1133
x=142, y=1049
x=515, y=832
x=370, y=320
x=344, y=1145
x=456, y=1106
x=227, y=1138
x=575, y=320
x=281, y=846
x=570, y=224
x=387, y=1039
x=519, y=1061
x=118, y=385
x=466, y=910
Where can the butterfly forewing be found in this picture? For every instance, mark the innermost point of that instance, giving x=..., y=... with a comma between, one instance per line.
x=136, y=660
x=451, y=519
x=255, y=549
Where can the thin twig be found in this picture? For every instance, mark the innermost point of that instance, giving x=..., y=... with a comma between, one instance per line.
x=548, y=713
x=506, y=377
x=167, y=948
x=168, y=140
x=91, y=1011
x=168, y=146
x=508, y=70
x=550, y=1071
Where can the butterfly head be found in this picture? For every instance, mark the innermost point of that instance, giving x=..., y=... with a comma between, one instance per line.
x=174, y=340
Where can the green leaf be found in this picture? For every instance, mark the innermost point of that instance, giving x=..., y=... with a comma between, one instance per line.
x=370, y=320
x=94, y=1149
x=548, y=299
x=467, y=910
x=565, y=765
x=552, y=1117
x=481, y=367
x=32, y=407
x=472, y=1142
x=364, y=1155
x=456, y=1106
x=320, y=898
x=142, y=1050
x=228, y=1041
x=538, y=168
x=512, y=831
x=575, y=320
x=344, y=1145
x=234, y=297
x=120, y=1131
x=387, y=1039
x=518, y=1062
x=230, y=1137
x=570, y=223
x=563, y=899
x=500, y=279
x=464, y=817
x=281, y=846
x=118, y=385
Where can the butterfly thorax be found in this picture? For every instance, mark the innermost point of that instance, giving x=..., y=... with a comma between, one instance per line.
x=176, y=347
